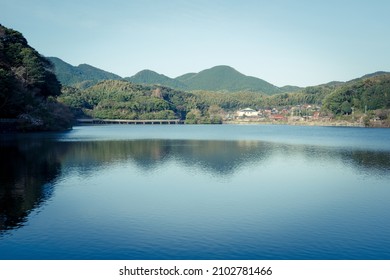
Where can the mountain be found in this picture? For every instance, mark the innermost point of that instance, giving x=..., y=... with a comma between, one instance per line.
x=82, y=76
x=378, y=73
x=370, y=92
x=125, y=100
x=148, y=77
x=218, y=78
x=226, y=78
x=289, y=88
x=28, y=87
x=185, y=77
x=112, y=99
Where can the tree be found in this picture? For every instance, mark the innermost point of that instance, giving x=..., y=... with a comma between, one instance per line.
x=28, y=86
x=33, y=68
x=194, y=116
x=346, y=108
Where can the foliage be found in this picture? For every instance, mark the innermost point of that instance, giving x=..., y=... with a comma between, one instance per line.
x=214, y=79
x=30, y=91
x=81, y=76
x=124, y=100
x=120, y=99
x=228, y=79
x=225, y=87
x=28, y=85
x=148, y=77
x=361, y=95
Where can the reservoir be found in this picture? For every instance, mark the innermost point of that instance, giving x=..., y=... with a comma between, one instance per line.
x=196, y=192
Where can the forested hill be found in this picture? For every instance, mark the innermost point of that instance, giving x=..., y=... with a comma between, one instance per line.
x=81, y=76
x=148, y=77
x=32, y=98
x=371, y=92
x=125, y=100
x=220, y=78
x=28, y=86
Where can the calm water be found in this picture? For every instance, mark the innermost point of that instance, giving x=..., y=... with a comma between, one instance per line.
x=196, y=192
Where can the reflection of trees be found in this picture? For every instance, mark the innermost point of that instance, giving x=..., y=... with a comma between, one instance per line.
x=27, y=168
x=369, y=161
x=216, y=156
x=30, y=166
x=221, y=157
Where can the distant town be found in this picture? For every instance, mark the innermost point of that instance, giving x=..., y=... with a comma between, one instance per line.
x=305, y=114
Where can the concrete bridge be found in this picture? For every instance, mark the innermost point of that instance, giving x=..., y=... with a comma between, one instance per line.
x=113, y=121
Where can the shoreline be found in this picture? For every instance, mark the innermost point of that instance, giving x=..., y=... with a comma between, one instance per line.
x=7, y=129
x=301, y=123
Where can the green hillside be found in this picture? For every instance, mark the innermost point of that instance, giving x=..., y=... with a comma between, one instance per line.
x=185, y=77
x=81, y=76
x=218, y=78
x=290, y=88
x=378, y=73
x=226, y=78
x=32, y=98
x=28, y=86
x=362, y=94
x=124, y=100
x=148, y=77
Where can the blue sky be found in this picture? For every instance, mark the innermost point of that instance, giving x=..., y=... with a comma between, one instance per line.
x=283, y=42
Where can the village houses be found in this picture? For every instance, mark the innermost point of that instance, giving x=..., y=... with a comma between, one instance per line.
x=247, y=112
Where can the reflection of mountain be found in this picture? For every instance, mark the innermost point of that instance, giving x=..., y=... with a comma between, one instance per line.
x=30, y=167
x=27, y=169
x=221, y=157
x=371, y=161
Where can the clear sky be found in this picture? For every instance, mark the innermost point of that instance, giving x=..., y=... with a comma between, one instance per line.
x=281, y=41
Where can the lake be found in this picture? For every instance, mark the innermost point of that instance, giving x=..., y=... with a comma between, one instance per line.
x=196, y=192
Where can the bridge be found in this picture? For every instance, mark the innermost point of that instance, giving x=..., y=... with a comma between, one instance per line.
x=114, y=121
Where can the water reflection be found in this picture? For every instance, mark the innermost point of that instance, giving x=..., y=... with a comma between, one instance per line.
x=370, y=162
x=27, y=170
x=30, y=167
x=218, y=157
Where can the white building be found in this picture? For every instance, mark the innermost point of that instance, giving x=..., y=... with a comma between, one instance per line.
x=247, y=112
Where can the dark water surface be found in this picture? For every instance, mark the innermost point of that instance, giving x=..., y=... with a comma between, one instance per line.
x=196, y=192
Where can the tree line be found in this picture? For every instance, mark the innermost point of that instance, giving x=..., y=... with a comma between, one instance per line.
x=31, y=93
x=28, y=86
x=124, y=100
